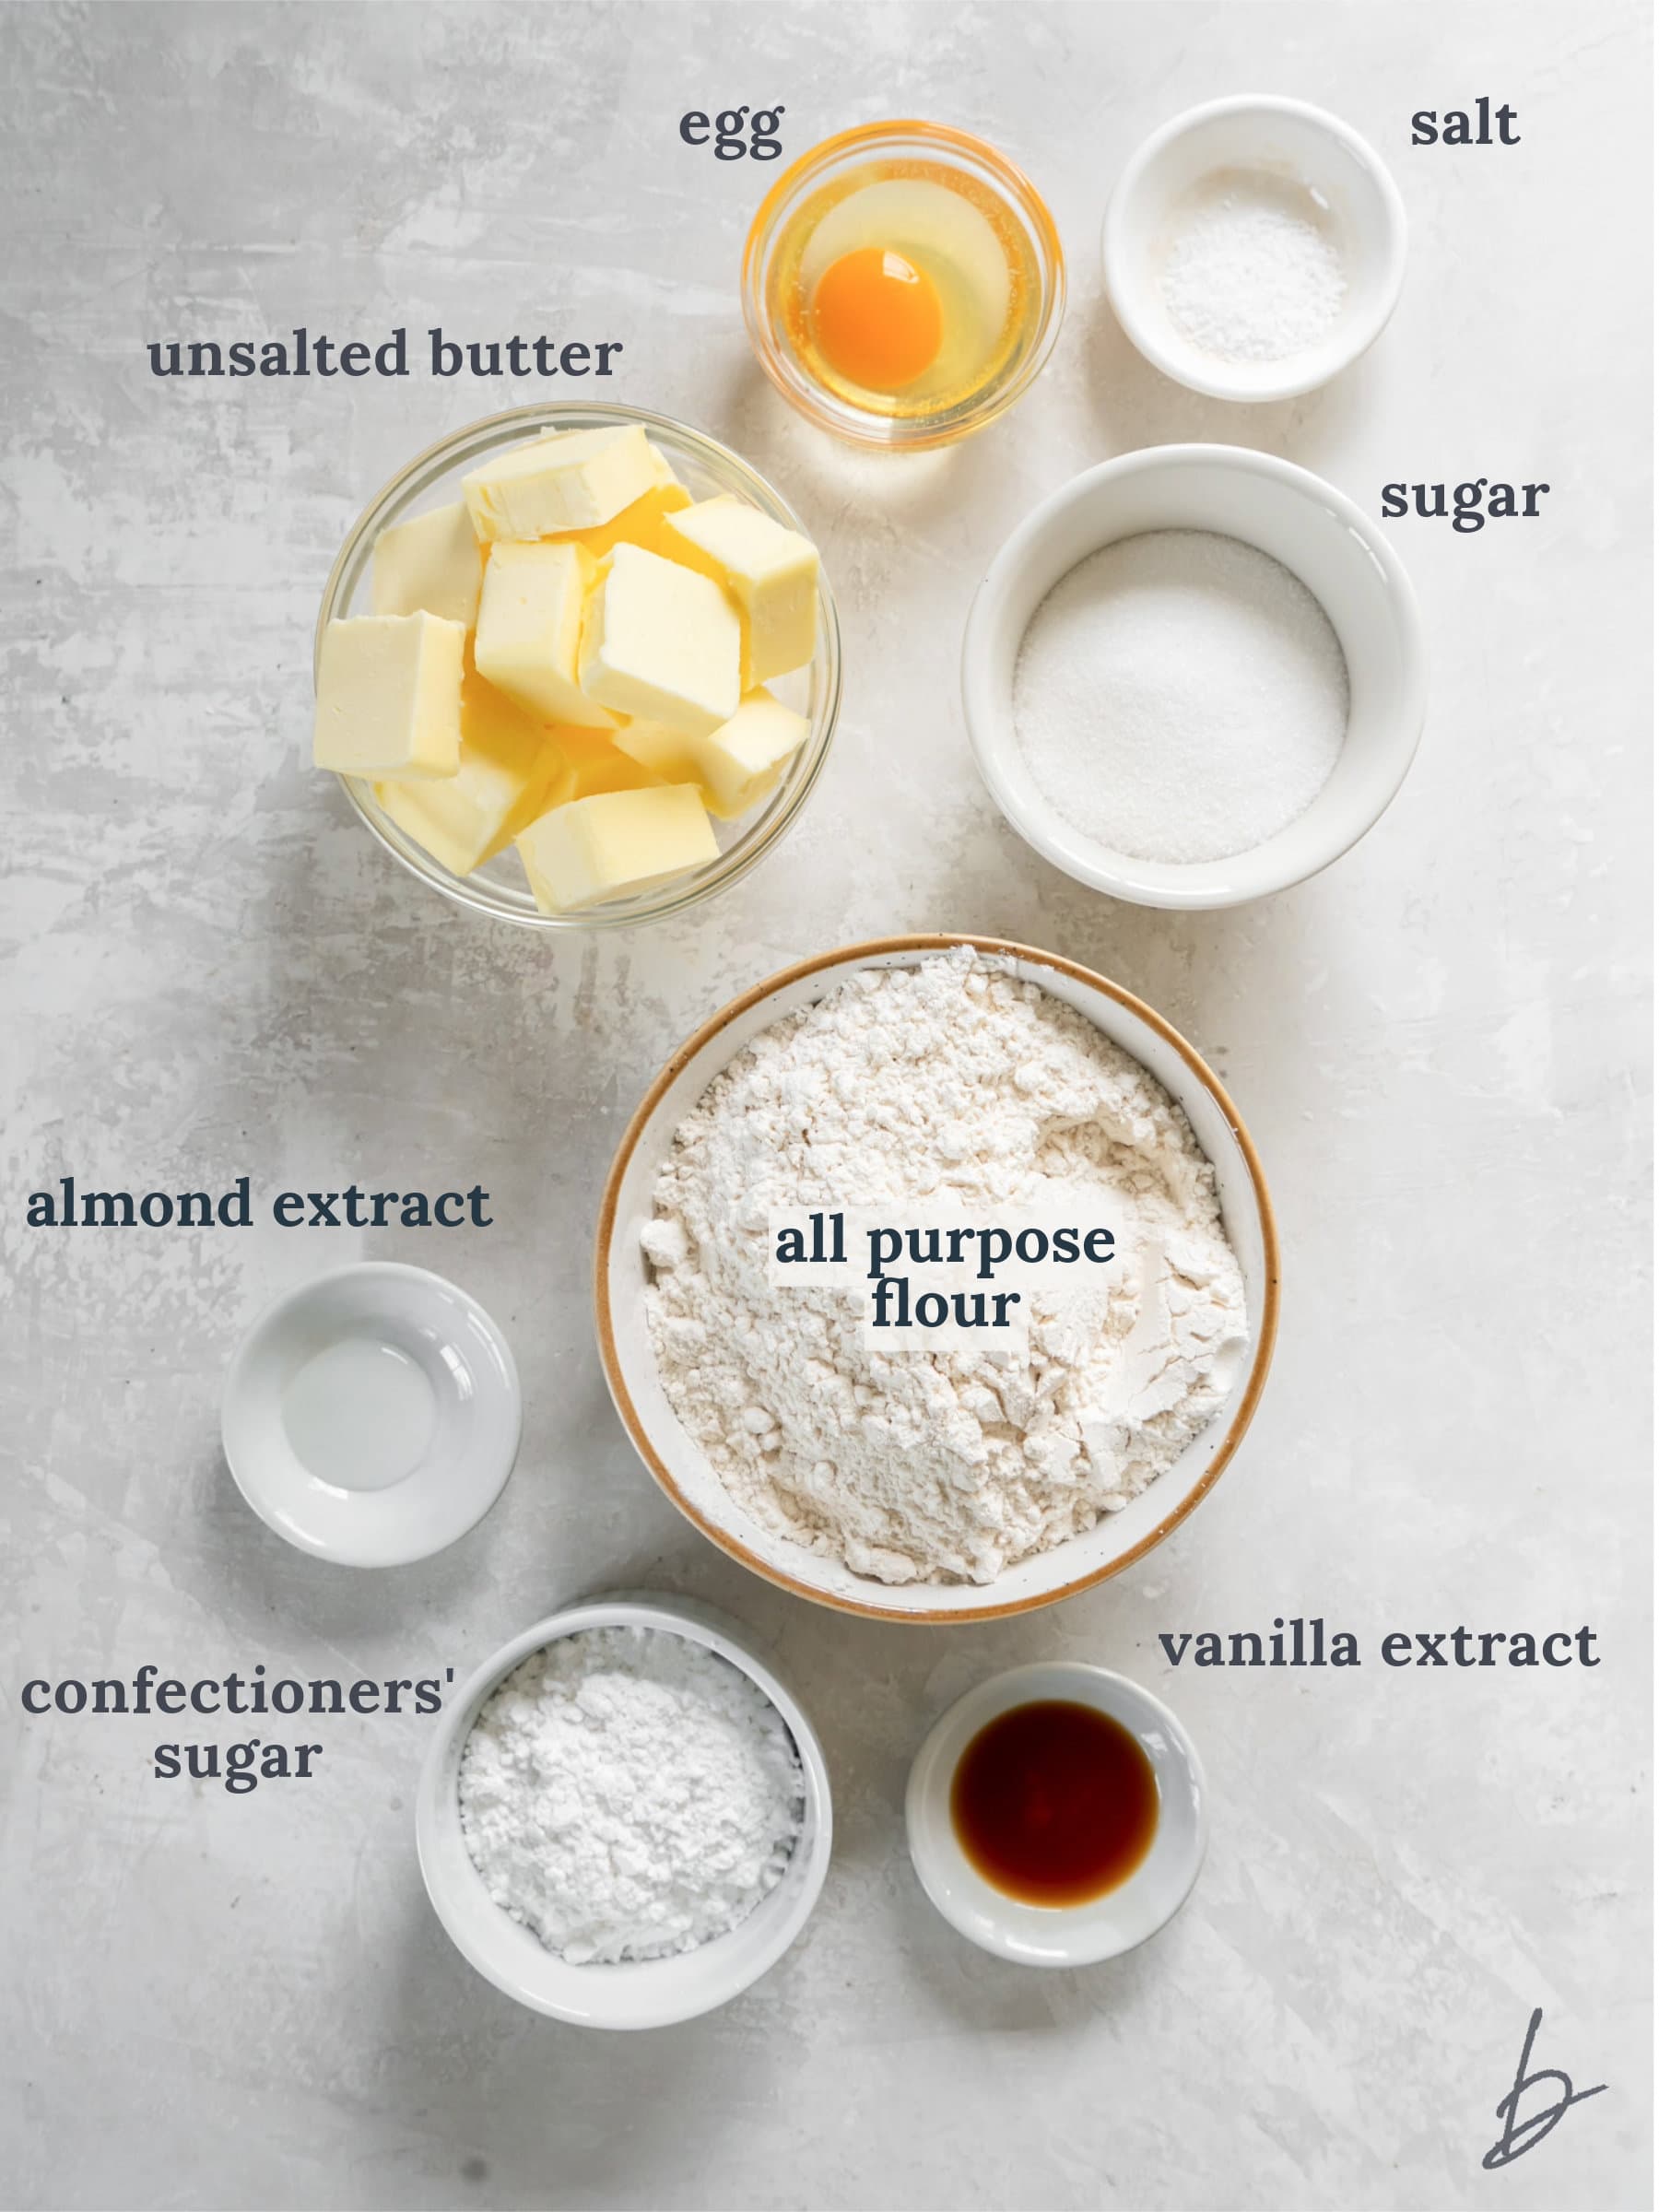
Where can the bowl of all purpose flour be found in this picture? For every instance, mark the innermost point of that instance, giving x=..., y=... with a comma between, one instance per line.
x=1253, y=248
x=909, y=1076
x=1195, y=676
x=623, y=1817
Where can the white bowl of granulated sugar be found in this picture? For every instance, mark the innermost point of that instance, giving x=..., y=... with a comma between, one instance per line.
x=1195, y=676
x=933, y=1487
x=623, y=1819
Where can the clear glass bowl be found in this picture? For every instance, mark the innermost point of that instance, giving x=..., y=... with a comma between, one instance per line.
x=499, y=888
x=884, y=149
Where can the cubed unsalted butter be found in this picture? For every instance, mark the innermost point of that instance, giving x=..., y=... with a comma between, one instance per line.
x=591, y=762
x=389, y=696
x=530, y=628
x=574, y=481
x=614, y=844
x=639, y=524
x=431, y=564
x=771, y=572
x=736, y=767
x=661, y=466
x=508, y=763
x=661, y=641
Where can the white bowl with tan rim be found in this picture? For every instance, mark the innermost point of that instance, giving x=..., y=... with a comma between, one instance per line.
x=622, y=1276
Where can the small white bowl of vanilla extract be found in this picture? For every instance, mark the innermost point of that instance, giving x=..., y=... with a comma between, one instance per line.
x=1057, y=1815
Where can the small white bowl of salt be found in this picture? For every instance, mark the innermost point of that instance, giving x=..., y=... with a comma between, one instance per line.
x=1253, y=248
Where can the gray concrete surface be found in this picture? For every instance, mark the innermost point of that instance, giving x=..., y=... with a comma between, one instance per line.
x=211, y=970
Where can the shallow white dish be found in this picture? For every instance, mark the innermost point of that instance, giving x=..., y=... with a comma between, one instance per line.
x=1070, y=1934
x=621, y=1275
x=1290, y=142
x=420, y=1457
x=650, y=1993
x=1311, y=529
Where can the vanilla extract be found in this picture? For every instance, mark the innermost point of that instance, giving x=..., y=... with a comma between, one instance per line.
x=1303, y=1641
x=1055, y=1803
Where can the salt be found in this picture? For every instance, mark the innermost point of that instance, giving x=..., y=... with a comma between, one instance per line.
x=1180, y=697
x=1250, y=274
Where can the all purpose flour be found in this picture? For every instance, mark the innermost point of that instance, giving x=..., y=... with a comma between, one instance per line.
x=949, y=1078
x=627, y=1793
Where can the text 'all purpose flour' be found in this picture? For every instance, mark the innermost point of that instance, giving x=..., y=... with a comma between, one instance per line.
x=950, y=1082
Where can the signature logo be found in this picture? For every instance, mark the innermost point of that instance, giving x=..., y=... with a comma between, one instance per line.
x=1521, y=2136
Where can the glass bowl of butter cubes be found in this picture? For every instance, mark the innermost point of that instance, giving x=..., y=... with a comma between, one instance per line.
x=576, y=668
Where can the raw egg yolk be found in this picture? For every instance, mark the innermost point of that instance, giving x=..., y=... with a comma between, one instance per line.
x=877, y=319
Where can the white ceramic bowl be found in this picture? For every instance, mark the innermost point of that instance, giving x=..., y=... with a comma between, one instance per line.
x=650, y=1993
x=389, y=1480
x=1316, y=532
x=1069, y=1935
x=621, y=1275
x=1293, y=144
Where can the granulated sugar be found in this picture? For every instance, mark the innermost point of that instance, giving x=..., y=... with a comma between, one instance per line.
x=1180, y=697
x=1250, y=274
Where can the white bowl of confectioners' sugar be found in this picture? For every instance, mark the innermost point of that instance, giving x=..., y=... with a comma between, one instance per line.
x=934, y=1486
x=1195, y=676
x=623, y=1819
x=1253, y=248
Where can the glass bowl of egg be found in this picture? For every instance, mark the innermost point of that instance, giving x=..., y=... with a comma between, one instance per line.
x=903, y=284
x=576, y=668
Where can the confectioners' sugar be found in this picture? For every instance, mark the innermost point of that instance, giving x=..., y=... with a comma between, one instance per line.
x=1180, y=695
x=953, y=1081
x=627, y=1792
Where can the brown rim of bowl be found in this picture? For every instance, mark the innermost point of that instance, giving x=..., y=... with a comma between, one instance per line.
x=875, y=948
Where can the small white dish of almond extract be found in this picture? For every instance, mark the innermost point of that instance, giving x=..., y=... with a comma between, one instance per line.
x=373, y=1417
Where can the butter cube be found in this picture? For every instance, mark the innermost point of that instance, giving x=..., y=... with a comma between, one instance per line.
x=639, y=524
x=736, y=767
x=431, y=564
x=530, y=628
x=771, y=572
x=660, y=641
x=668, y=755
x=614, y=844
x=389, y=696
x=508, y=762
x=662, y=467
x=590, y=762
x=573, y=481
